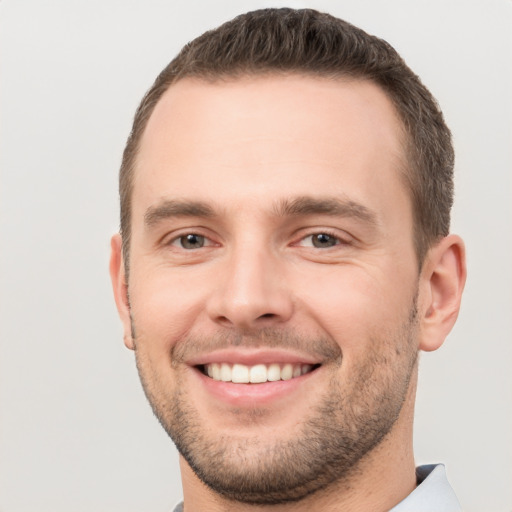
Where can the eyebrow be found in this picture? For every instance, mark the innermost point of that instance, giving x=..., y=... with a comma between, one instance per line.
x=174, y=208
x=299, y=206
x=331, y=206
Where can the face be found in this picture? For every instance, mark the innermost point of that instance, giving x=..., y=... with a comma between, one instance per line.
x=273, y=279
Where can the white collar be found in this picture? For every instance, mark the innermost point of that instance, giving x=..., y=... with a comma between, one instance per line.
x=433, y=494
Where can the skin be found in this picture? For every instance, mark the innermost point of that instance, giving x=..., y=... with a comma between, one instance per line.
x=243, y=149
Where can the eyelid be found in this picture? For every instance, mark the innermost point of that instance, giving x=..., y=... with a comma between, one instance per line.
x=341, y=238
x=172, y=239
x=176, y=242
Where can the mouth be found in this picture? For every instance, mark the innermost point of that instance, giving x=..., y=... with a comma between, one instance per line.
x=247, y=378
x=256, y=374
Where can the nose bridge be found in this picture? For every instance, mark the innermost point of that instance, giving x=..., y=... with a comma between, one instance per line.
x=252, y=291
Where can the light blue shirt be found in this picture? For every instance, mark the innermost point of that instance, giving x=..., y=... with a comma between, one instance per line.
x=433, y=493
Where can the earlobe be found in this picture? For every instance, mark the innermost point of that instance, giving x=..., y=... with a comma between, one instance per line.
x=120, y=288
x=442, y=282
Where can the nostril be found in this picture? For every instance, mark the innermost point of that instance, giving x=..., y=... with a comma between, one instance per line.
x=224, y=320
x=267, y=315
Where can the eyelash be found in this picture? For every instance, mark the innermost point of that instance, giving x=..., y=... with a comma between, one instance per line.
x=334, y=236
x=178, y=241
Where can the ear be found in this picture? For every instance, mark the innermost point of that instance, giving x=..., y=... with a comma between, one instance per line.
x=441, y=284
x=120, y=287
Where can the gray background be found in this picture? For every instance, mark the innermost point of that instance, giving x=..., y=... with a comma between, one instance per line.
x=76, y=433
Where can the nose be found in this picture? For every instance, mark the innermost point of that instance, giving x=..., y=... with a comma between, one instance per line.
x=252, y=292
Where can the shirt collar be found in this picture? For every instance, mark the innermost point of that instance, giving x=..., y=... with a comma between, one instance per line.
x=433, y=493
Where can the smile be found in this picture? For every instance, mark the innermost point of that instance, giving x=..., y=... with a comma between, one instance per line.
x=256, y=374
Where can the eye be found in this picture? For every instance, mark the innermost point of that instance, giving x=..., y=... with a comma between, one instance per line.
x=320, y=240
x=190, y=241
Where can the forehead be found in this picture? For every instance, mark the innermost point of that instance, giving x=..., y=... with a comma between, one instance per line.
x=265, y=136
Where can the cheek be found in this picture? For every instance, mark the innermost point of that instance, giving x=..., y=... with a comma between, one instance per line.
x=354, y=305
x=164, y=306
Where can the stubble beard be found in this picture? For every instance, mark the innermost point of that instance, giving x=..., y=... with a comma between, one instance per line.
x=348, y=423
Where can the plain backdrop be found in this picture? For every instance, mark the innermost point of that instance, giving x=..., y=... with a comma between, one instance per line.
x=76, y=433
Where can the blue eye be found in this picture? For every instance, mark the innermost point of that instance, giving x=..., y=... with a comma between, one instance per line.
x=191, y=241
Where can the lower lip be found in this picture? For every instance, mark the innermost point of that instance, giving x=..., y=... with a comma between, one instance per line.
x=247, y=395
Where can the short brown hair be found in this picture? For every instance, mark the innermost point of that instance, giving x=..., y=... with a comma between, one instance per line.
x=313, y=43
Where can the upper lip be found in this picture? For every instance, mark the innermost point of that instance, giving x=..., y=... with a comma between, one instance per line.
x=251, y=357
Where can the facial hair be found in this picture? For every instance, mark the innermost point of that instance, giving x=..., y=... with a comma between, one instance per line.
x=349, y=421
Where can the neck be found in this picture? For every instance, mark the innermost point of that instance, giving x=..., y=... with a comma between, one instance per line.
x=382, y=479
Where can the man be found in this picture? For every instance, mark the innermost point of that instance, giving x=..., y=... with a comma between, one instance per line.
x=284, y=254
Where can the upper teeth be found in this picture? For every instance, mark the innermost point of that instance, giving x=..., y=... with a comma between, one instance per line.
x=242, y=374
